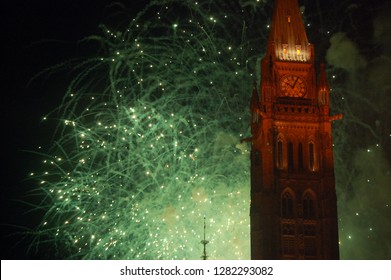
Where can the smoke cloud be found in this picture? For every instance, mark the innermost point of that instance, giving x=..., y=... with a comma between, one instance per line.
x=344, y=53
x=362, y=141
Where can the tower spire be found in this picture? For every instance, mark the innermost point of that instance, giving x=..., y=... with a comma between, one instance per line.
x=204, y=242
x=288, y=39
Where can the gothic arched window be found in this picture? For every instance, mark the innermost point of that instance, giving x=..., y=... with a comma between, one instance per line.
x=290, y=156
x=311, y=156
x=308, y=206
x=287, y=205
x=279, y=154
x=300, y=157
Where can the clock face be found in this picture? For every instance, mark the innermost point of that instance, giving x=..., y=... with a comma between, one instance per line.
x=292, y=86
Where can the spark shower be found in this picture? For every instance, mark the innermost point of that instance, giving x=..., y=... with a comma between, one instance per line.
x=147, y=138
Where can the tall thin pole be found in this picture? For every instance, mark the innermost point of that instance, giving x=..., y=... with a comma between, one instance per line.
x=204, y=242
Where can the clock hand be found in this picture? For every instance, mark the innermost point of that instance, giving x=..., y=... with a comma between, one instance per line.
x=295, y=82
x=289, y=84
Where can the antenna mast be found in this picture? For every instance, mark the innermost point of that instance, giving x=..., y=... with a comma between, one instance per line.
x=204, y=242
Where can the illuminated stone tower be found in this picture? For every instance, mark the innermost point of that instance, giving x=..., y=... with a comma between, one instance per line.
x=293, y=199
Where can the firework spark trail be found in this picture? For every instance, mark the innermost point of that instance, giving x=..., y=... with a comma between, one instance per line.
x=148, y=144
x=148, y=141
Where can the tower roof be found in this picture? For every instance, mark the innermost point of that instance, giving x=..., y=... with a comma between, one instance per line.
x=287, y=38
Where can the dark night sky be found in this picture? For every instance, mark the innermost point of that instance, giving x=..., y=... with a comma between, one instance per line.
x=36, y=35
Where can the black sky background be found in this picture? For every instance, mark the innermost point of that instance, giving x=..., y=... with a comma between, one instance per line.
x=36, y=35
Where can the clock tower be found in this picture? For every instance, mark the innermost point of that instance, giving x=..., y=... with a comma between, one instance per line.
x=293, y=199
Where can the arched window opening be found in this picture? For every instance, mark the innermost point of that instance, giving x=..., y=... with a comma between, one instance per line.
x=308, y=207
x=300, y=158
x=279, y=154
x=311, y=156
x=290, y=156
x=287, y=205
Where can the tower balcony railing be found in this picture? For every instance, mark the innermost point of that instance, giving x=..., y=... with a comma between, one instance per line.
x=293, y=56
x=295, y=109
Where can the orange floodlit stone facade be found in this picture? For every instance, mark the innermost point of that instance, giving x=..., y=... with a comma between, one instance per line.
x=293, y=199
